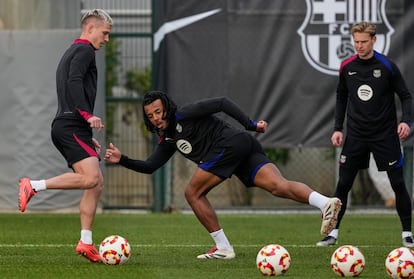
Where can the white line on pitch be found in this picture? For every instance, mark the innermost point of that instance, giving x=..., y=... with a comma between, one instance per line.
x=5, y=245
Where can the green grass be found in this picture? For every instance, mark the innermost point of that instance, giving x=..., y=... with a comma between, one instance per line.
x=35, y=245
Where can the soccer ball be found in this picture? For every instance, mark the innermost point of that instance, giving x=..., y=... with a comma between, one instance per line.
x=114, y=250
x=400, y=263
x=273, y=260
x=347, y=261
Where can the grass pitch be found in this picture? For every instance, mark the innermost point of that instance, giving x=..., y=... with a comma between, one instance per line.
x=37, y=245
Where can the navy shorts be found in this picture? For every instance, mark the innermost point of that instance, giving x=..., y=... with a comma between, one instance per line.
x=73, y=139
x=387, y=153
x=241, y=155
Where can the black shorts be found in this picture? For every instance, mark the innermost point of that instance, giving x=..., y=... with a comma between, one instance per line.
x=73, y=139
x=241, y=155
x=387, y=153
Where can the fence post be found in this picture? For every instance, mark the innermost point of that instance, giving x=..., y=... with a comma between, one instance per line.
x=159, y=177
x=162, y=187
x=159, y=184
x=160, y=174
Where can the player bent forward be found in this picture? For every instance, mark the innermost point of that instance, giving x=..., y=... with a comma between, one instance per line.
x=220, y=151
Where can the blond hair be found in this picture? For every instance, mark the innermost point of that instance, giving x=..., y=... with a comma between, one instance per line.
x=364, y=27
x=97, y=14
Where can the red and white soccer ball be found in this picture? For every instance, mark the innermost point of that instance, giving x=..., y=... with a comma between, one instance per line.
x=400, y=263
x=273, y=260
x=347, y=261
x=114, y=250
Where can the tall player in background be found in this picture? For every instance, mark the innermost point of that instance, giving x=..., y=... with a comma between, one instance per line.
x=76, y=80
x=368, y=82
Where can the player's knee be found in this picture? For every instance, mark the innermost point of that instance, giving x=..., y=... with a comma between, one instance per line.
x=191, y=195
x=93, y=181
x=188, y=194
x=279, y=190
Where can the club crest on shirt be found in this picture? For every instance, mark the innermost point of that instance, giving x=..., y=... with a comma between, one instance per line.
x=376, y=73
x=325, y=33
x=178, y=128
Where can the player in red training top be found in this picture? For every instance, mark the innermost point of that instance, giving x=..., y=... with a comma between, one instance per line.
x=76, y=80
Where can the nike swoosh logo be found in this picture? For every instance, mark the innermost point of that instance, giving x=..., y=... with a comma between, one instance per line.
x=352, y=73
x=392, y=163
x=171, y=26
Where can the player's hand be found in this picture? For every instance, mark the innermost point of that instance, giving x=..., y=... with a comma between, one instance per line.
x=261, y=126
x=403, y=130
x=96, y=122
x=112, y=154
x=97, y=145
x=337, y=138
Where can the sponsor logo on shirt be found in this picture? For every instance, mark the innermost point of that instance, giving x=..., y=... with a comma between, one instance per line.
x=365, y=92
x=184, y=146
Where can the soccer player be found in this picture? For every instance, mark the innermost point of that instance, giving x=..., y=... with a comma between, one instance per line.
x=76, y=80
x=220, y=151
x=367, y=84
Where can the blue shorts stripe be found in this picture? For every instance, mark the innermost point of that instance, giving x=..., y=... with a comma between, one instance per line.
x=254, y=172
x=207, y=165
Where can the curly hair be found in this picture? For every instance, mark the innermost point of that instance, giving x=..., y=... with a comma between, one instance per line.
x=169, y=108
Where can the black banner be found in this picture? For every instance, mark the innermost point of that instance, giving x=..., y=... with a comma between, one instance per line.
x=277, y=59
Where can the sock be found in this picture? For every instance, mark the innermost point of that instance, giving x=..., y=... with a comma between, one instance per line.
x=334, y=233
x=220, y=239
x=318, y=200
x=38, y=185
x=86, y=236
x=406, y=234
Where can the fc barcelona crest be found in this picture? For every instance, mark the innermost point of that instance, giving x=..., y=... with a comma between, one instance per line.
x=326, y=31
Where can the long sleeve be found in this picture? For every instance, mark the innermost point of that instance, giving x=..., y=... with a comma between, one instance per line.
x=76, y=78
x=158, y=158
x=404, y=95
x=341, y=104
x=215, y=105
